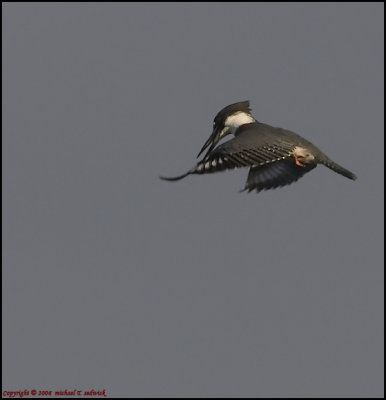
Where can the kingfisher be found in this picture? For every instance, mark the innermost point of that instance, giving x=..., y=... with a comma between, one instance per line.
x=275, y=157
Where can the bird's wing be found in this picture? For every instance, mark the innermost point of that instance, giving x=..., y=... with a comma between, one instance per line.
x=276, y=174
x=250, y=148
x=255, y=145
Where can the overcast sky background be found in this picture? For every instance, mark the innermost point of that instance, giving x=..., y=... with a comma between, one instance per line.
x=116, y=280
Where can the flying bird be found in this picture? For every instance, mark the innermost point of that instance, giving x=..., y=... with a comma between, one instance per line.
x=276, y=157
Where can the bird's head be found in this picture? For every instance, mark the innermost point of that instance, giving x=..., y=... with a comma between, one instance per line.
x=227, y=121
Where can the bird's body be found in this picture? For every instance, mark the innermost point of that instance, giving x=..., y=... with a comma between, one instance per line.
x=276, y=156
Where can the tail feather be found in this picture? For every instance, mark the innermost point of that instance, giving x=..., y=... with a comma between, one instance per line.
x=339, y=169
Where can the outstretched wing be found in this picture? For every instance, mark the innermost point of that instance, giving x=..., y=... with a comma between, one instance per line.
x=250, y=148
x=277, y=174
x=253, y=146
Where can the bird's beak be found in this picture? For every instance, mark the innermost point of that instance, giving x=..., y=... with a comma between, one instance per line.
x=212, y=141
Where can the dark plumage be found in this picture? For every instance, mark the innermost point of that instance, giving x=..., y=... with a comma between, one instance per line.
x=276, y=157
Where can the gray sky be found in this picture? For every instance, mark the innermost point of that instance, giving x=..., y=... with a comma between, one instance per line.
x=116, y=280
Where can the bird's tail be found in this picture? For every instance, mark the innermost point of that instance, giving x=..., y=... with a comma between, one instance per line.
x=339, y=169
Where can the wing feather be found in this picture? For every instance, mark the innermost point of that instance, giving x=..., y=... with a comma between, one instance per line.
x=280, y=173
x=268, y=153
